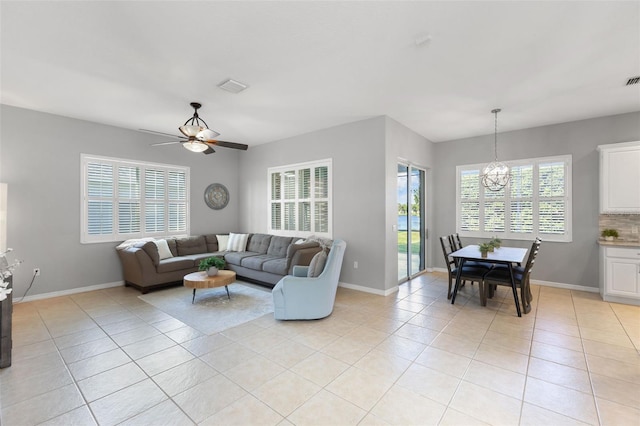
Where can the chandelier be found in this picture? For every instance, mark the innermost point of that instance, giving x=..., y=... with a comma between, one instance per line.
x=495, y=175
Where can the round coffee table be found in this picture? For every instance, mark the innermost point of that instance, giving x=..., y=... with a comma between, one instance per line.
x=200, y=279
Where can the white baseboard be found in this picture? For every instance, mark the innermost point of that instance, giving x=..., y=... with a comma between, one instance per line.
x=68, y=292
x=369, y=289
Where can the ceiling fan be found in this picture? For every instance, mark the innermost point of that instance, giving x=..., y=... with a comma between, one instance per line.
x=198, y=137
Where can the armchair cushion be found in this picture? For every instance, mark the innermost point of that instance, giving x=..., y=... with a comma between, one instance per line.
x=317, y=264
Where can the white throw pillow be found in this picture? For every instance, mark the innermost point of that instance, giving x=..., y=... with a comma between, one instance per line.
x=317, y=264
x=223, y=242
x=237, y=242
x=163, y=249
x=300, y=241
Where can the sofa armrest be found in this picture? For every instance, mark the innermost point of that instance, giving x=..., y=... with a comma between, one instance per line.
x=300, y=271
x=136, y=265
x=301, y=254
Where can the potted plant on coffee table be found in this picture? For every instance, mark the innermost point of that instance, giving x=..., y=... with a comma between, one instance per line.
x=212, y=265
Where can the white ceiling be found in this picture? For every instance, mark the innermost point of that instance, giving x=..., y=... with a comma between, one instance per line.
x=312, y=65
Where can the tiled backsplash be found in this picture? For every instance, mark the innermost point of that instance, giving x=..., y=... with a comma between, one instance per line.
x=623, y=223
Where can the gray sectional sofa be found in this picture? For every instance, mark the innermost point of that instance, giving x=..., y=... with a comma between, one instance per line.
x=266, y=259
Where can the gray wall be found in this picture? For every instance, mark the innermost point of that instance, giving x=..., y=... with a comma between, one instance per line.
x=568, y=263
x=357, y=150
x=40, y=161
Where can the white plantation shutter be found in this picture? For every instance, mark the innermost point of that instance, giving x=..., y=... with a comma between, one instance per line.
x=128, y=199
x=300, y=199
x=537, y=201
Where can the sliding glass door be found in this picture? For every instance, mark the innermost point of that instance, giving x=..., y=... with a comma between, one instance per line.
x=411, y=221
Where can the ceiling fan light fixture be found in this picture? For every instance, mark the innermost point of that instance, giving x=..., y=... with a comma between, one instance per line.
x=190, y=130
x=207, y=135
x=195, y=146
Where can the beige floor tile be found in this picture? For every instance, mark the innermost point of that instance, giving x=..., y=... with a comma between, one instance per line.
x=184, y=376
x=264, y=340
x=183, y=334
x=205, y=344
x=629, y=372
x=417, y=333
x=346, y=349
x=367, y=335
x=43, y=407
x=615, y=414
x=111, y=381
x=562, y=400
x=430, y=383
x=149, y=346
x=79, y=338
x=168, y=325
x=430, y=322
x=619, y=337
x=618, y=353
x=456, y=345
x=288, y=353
x=97, y=364
x=475, y=401
x=532, y=415
x=87, y=350
x=319, y=368
x=402, y=347
x=286, y=392
x=559, y=355
x=502, y=358
x=384, y=365
x=245, y=411
x=207, y=398
x=507, y=341
x=400, y=406
x=495, y=378
x=620, y=391
x=18, y=388
x=242, y=331
x=254, y=372
x=228, y=356
x=559, y=374
x=371, y=420
x=80, y=416
x=34, y=349
x=557, y=339
x=166, y=413
x=31, y=367
x=359, y=387
x=456, y=418
x=325, y=408
x=123, y=325
x=164, y=360
x=135, y=335
x=126, y=403
x=443, y=361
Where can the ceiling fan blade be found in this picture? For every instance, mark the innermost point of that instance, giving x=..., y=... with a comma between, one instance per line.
x=208, y=151
x=233, y=145
x=159, y=133
x=166, y=143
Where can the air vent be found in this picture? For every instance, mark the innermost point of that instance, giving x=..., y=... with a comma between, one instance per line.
x=232, y=86
x=633, y=80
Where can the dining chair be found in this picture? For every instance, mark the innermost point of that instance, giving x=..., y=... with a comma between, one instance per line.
x=500, y=276
x=469, y=273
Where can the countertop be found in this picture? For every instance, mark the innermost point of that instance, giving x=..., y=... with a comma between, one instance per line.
x=620, y=243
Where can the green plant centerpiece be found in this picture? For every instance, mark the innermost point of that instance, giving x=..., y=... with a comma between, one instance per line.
x=609, y=234
x=485, y=248
x=212, y=265
x=496, y=242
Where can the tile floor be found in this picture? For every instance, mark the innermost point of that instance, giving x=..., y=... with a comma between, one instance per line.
x=107, y=357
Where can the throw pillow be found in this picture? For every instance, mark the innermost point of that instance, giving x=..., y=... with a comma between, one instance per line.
x=317, y=264
x=223, y=242
x=163, y=249
x=237, y=242
x=300, y=241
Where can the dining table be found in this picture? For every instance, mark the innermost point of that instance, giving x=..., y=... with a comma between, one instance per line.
x=507, y=256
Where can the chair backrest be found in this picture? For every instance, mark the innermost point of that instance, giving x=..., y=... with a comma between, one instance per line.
x=447, y=249
x=333, y=265
x=533, y=252
x=456, y=244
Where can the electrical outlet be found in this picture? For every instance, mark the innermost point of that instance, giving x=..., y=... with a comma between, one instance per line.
x=634, y=229
x=36, y=272
x=355, y=264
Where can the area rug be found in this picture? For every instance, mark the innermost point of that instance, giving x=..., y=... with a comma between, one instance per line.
x=213, y=311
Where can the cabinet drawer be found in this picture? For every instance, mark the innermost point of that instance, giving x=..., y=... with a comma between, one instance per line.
x=627, y=253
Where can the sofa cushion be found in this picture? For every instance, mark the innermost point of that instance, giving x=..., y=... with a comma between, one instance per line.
x=255, y=262
x=201, y=256
x=174, y=264
x=317, y=264
x=259, y=243
x=171, y=242
x=212, y=242
x=275, y=266
x=191, y=245
x=237, y=242
x=278, y=246
x=152, y=250
x=235, y=257
x=163, y=249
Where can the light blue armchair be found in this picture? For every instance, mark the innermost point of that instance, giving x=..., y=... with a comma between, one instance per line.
x=297, y=297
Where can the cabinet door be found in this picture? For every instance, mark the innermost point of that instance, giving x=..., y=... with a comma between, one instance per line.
x=623, y=277
x=620, y=189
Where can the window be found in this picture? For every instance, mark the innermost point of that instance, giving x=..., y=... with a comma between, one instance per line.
x=300, y=199
x=537, y=201
x=124, y=199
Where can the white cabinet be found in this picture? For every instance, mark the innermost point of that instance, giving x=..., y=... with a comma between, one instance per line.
x=620, y=178
x=620, y=274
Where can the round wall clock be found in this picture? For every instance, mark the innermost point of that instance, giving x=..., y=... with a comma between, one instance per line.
x=216, y=196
